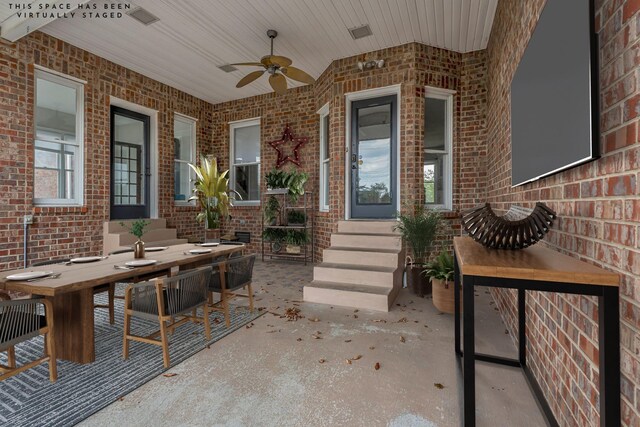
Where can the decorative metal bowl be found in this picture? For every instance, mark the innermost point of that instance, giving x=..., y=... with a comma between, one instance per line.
x=517, y=229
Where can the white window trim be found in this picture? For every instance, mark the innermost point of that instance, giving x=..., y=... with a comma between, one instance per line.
x=324, y=140
x=366, y=94
x=232, y=172
x=447, y=173
x=78, y=85
x=192, y=155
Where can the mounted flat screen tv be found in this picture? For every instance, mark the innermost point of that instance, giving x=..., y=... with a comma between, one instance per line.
x=554, y=94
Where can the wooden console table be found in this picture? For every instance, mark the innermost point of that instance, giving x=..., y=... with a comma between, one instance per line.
x=538, y=269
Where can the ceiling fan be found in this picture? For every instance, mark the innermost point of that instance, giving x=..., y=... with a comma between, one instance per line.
x=278, y=67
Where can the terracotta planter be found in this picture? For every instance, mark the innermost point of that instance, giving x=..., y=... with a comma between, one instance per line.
x=443, y=296
x=418, y=281
x=138, y=249
x=211, y=235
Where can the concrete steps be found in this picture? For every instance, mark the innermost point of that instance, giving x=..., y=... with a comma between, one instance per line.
x=115, y=236
x=362, y=268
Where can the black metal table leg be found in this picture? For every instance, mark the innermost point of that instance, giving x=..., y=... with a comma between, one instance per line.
x=522, y=324
x=456, y=303
x=609, y=346
x=469, y=369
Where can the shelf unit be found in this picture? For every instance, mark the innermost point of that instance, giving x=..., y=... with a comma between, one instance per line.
x=307, y=207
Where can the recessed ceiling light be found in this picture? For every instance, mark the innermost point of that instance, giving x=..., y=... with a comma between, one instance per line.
x=360, y=32
x=143, y=16
x=227, y=68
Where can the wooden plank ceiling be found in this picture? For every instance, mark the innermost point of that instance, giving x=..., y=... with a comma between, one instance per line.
x=194, y=37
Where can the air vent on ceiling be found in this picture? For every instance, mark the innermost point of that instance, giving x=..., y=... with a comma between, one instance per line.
x=143, y=16
x=227, y=68
x=360, y=32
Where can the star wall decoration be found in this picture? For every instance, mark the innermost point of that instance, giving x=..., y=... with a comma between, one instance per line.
x=288, y=136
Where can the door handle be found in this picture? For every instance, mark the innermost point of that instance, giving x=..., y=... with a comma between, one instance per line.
x=353, y=158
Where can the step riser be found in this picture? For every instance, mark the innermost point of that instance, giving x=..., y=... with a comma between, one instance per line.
x=367, y=227
x=115, y=227
x=366, y=241
x=345, y=298
x=361, y=258
x=356, y=277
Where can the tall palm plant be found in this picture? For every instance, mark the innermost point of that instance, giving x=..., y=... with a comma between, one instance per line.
x=211, y=189
x=419, y=229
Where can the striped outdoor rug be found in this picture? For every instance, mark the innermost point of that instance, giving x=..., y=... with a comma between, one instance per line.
x=29, y=399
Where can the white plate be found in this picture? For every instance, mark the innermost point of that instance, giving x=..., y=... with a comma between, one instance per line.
x=29, y=275
x=200, y=251
x=140, y=262
x=209, y=245
x=156, y=248
x=85, y=259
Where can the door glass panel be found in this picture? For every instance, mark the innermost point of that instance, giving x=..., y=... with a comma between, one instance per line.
x=374, y=155
x=128, y=161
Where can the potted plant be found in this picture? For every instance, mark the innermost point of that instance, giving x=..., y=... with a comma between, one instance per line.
x=295, y=239
x=440, y=273
x=211, y=189
x=276, y=236
x=276, y=179
x=295, y=182
x=272, y=211
x=137, y=228
x=418, y=229
x=296, y=217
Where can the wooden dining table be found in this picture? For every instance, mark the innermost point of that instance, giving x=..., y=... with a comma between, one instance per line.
x=71, y=293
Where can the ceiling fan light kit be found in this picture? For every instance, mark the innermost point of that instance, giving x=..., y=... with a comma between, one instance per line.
x=278, y=67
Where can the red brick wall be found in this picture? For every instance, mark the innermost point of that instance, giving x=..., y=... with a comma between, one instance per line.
x=598, y=207
x=59, y=231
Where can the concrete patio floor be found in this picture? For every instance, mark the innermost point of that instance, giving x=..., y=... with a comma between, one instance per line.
x=270, y=374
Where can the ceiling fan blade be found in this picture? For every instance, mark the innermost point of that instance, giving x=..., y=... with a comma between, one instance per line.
x=252, y=64
x=249, y=78
x=281, y=61
x=278, y=83
x=297, y=74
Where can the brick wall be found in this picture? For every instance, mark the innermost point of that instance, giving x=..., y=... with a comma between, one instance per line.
x=65, y=231
x=598, y=207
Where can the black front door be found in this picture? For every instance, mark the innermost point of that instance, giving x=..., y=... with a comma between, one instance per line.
x=130, y=169
x=373, y=158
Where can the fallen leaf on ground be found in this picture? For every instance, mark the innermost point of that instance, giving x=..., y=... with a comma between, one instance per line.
x=402, y=339
x=169, y=375
x=299, y=339
x=438, y=386
x=249, y=326
x=321, y=361
x=379, y=321
x=293, y=314
x=316, y=337
x=273, y=330
x=402, y=320
x=355, y=316
x=355, y=311
x=347, y=340
x=315, y=319
x=348, y=361
x=372, y=348
x=376, y=366
x=358, y=357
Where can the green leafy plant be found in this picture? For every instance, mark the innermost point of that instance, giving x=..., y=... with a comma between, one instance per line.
x=419, y=229
x=441, y=267
x=296, y=237
x=296, y=217
x=293, y=180
x=274, y=234
x=272, y=210
x=211, y=189
x=276, y=179
x=137, y=227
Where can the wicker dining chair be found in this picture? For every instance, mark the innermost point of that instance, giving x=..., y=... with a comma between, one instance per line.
x=227, y=277
x=116, y=295
x=21, y=320
x=164, y=300
x=110, y=288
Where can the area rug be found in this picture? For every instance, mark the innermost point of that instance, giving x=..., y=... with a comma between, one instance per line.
x=29, y=399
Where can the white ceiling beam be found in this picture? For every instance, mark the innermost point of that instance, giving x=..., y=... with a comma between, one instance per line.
x=25, y=21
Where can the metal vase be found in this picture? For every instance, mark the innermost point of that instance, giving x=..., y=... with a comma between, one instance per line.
x=138, y=249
